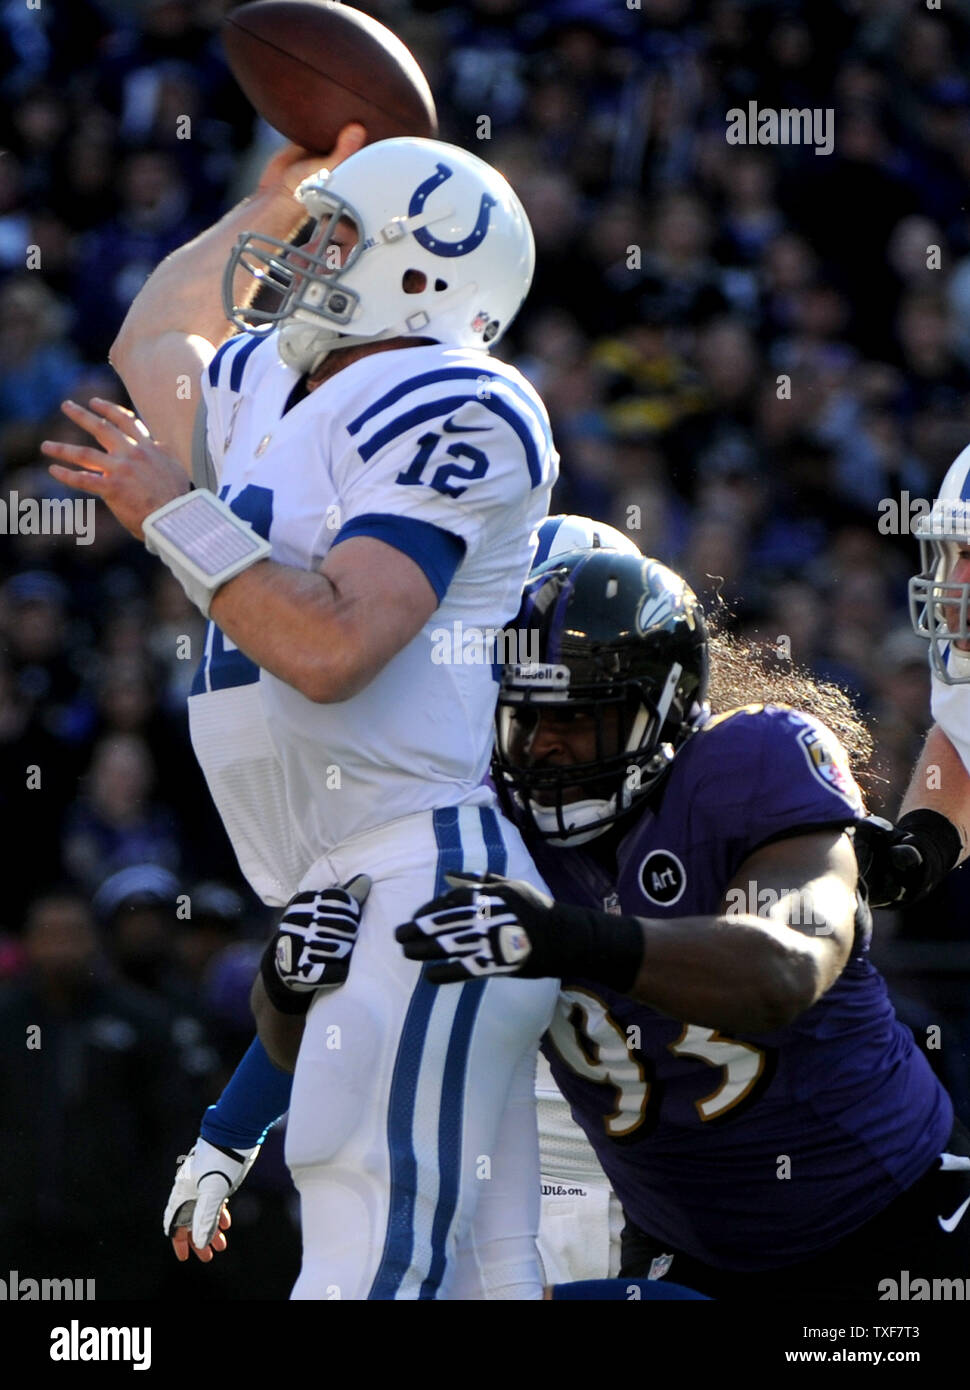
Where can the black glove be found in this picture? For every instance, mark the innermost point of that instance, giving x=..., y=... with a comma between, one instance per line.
x=313, y=944
x=899, y=864
x=491, y=926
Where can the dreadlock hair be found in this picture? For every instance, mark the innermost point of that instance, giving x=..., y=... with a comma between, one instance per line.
x=745, y=672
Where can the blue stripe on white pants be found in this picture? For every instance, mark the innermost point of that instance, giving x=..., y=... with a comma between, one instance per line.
x=453, y=1086
x=385, y=1132
x=397, y=1259
x=461, y=835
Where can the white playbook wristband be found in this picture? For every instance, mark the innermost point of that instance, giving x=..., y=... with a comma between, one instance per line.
x=203, y=542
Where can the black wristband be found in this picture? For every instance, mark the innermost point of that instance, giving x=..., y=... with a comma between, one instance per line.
x=937, y=840
x=287, y=1001
x=596, y=946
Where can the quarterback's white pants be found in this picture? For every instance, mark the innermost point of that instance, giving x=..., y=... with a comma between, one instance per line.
x=412, y=1135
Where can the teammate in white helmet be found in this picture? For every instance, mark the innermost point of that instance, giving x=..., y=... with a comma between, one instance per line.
x=372, y=474
x=932, y=834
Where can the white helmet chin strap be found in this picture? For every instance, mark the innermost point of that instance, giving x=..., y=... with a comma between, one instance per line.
x=304, y=345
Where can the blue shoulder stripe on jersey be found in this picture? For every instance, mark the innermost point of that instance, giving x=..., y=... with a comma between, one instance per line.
x=216, y=363
x=399, y=1240
x=438, y=552
x=403, y=423
x=242, y=346
x=456, y=374
x=241, y=358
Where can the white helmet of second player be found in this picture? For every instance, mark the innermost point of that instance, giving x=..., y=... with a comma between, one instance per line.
x=407, y=238
x=939, y=608
x=558, y=535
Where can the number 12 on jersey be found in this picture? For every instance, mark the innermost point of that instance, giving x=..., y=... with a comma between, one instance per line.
x=439, y=479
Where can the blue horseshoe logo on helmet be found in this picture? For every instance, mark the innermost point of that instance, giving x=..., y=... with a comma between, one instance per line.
x=448, y=248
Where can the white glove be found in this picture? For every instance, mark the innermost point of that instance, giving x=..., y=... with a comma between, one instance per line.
x=204, y=1180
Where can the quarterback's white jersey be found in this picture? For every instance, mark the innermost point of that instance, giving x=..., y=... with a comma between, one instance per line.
x=441, y=452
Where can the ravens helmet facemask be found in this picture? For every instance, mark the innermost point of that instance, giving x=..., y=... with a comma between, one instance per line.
x=615, y=636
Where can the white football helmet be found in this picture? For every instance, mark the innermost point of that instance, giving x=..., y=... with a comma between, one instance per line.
x=558, y=535
x=407, y=238
x=939, y=608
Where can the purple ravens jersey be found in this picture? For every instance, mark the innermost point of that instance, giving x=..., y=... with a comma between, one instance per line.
x=756, y=1150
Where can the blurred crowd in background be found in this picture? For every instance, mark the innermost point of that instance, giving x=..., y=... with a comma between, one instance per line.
x=746, y=352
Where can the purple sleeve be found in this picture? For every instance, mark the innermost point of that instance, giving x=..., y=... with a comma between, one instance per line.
x=777, y=773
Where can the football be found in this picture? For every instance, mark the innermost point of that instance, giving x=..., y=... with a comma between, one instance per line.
x=310, y=66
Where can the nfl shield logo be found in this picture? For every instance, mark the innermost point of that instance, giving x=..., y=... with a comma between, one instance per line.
x=660, y=1266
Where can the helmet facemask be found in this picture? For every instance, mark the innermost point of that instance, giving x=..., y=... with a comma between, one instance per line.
x=300, y=282
x=939, y=608
x=619, y=638
x=576, y=802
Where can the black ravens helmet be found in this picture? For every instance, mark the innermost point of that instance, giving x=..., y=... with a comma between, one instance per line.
x=620, y=638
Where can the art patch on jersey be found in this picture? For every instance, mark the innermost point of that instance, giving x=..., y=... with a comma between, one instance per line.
x=663, y=877
x=830, y=764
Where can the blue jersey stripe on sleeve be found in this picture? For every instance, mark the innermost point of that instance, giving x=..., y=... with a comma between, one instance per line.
x=240, y=360
x=438, y=552
x=239, y=349
x=216, y=364
x=525, y=437
x=431, y=409
x=403, y=423
x=455, y=374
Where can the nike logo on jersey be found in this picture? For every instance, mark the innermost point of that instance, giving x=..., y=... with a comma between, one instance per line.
x=950, y=1223
x=450, y=428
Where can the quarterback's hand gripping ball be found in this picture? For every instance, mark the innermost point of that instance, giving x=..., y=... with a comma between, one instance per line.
x=485, y=926
x=204, y=1180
